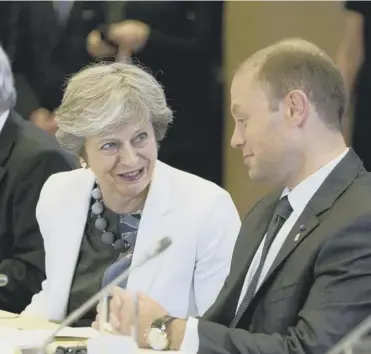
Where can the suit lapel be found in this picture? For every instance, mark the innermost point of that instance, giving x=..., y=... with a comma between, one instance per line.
x=45, y=23
x=50, y=26
x=8, y=138
x=154, y=225
x=334, y=185
x=248, y=242
x=76, y=15
x=309, y=221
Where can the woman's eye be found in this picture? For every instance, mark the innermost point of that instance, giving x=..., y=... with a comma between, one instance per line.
x=109, y=146
x=141, y=137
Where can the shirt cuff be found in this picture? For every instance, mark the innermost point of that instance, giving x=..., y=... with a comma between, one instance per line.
x=191, y=341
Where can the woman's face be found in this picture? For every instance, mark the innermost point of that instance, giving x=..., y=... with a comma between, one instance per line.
x=123, y=162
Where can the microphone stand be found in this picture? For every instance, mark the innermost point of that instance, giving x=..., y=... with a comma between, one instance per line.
x=164, y=243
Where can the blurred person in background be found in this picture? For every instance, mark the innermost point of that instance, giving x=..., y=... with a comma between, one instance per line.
x=28, y=157
x=180, y=41
x=46, y=42
x=95, y=221
x=354, y=61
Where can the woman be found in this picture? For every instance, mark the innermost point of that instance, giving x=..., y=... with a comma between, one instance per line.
x=113, y=116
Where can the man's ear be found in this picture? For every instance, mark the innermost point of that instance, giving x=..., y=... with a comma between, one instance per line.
x=296, y=107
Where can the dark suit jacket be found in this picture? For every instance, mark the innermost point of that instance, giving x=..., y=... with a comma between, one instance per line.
x=44, y=51
x=318, y=288
x=28, y=156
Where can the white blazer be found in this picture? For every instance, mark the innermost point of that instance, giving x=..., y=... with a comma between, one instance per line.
x=199, y=216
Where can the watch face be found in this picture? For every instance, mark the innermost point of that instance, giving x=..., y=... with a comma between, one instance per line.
x=157, y=339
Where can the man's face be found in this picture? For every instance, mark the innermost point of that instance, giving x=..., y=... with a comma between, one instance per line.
x=265, y=138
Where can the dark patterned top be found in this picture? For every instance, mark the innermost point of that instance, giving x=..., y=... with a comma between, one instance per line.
x=96, y=259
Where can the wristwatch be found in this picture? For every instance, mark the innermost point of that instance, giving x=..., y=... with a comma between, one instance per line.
x=158, y=335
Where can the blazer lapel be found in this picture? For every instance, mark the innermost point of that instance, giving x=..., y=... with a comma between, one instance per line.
x=153, y=226
x=335, y=184
x=68, y=228
x=8, y=138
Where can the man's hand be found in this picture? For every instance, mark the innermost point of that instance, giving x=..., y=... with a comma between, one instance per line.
x=44, y=119
x=176, y=333
x=97, y=47
x=130, y=35
x=122, y=311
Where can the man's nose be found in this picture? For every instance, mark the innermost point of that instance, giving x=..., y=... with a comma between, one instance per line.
x=238, y=139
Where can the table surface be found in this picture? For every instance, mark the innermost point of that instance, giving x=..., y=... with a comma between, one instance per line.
x=24, y=322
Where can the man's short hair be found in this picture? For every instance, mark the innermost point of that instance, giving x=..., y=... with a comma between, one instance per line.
x=295, y=64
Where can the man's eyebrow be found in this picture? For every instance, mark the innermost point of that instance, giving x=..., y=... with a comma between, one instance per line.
x=238, y=112
x=235, y=110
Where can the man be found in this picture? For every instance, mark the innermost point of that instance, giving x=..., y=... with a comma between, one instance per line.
x=301, y=269
x=28, y=156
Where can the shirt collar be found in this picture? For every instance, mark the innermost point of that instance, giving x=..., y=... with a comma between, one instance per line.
x=303, y=192
x=3, y=118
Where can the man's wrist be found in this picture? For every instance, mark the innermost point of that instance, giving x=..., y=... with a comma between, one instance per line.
x=176, y=333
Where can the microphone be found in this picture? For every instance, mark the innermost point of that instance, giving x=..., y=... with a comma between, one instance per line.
x=3, y=280
x=162, y=246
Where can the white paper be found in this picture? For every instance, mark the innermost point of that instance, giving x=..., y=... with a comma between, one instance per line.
x=31, y=338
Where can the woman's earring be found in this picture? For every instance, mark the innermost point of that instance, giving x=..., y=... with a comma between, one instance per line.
x=83, y=163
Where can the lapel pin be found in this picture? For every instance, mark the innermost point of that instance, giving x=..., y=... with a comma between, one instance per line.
x=297, y=237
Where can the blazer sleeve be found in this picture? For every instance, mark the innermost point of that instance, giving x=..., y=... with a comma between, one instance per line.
x=339, y=299
x=25, y=267
x=214, y=250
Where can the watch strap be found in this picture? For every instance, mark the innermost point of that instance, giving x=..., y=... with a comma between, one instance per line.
x=163, y=322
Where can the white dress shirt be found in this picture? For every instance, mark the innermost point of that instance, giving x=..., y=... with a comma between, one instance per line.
x=3, y=118
x=298, y=198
